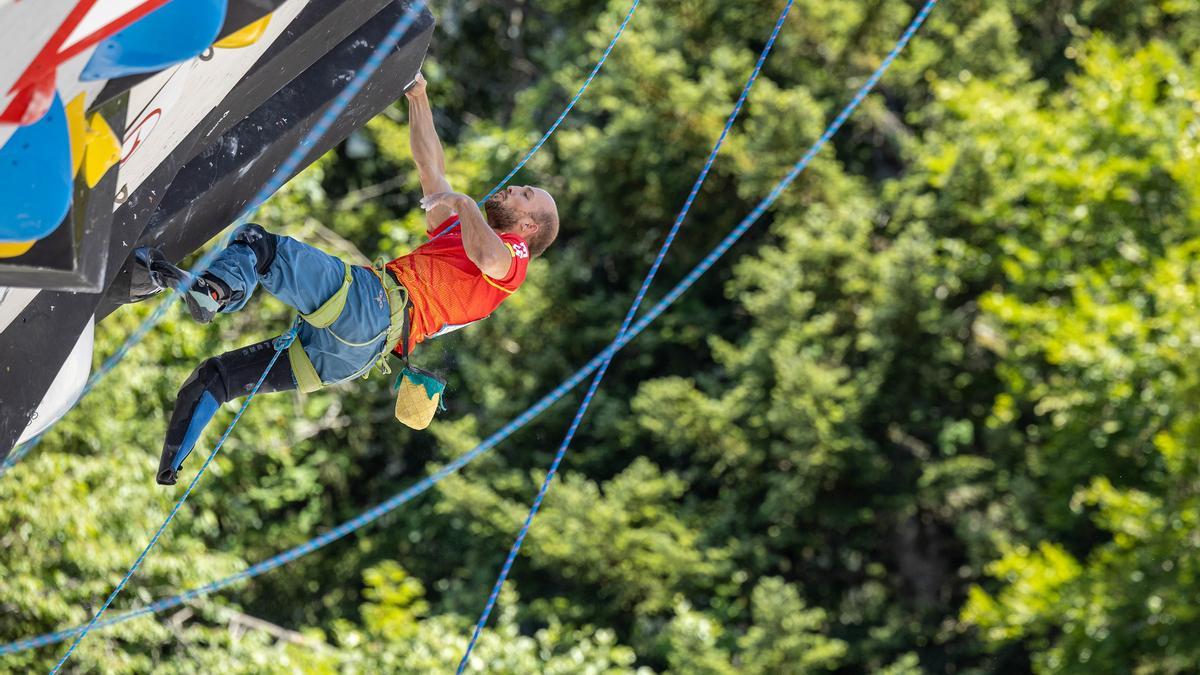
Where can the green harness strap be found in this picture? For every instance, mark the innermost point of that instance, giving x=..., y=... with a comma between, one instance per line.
x=327, y=313
x=398, y=302
x=307, y=379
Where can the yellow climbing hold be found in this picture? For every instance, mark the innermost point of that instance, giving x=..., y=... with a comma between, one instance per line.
x=94, y=146
x=246, y=35
x=103, y=150
x=14, y=250
x=76, y=131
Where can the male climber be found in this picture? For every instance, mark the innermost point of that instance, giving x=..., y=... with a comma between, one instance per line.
x=353, y=316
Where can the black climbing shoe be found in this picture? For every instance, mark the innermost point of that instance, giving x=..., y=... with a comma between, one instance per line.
x=167, y=476
x=152, y=273
x=146, y=274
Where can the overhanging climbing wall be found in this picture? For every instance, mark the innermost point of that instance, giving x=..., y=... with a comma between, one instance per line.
x=112, y=137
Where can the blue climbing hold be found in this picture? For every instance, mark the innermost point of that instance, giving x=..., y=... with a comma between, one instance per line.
x=35, y=177
x=175, y=32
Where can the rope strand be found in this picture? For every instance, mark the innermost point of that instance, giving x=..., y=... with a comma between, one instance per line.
x=280, y=345
x=608, y=354
x=738, y=231
x=319, y=129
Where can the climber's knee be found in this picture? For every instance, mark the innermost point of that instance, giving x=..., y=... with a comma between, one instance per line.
x=209, y=376
x=260, y=241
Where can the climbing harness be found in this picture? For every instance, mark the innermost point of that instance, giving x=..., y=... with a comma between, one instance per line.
x=419, y=393
x=328, y=313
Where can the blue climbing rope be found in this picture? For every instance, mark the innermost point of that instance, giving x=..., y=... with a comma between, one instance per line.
x=340, y=102
x=281, y=343
x=407, y=495
x=563, y=115
x=611, y=350
x=625, y=323
x=708, y=260
x=374, y=513
x=205, y=261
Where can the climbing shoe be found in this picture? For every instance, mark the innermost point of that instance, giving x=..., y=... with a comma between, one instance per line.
x=146, y=273
x=206, y=297
x=152, y=273
x=183, y=433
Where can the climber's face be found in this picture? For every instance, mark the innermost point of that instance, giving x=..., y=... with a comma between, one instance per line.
x=525, y=210
x=509, y=207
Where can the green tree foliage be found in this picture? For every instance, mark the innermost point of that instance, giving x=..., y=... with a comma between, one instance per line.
x=936, y=414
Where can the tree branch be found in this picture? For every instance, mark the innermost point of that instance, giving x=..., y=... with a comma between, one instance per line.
x=239, y=621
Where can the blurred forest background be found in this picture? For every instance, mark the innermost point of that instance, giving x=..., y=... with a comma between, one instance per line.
x=938, y=413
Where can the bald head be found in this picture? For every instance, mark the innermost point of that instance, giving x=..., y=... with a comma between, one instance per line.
x=526, y=211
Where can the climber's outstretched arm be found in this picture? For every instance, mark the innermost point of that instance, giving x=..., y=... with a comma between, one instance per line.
x=427, y=150
x=484, y=247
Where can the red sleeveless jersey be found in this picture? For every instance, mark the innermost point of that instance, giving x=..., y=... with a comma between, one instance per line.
x=446, y=289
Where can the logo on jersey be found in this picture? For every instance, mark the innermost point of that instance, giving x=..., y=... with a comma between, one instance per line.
x=520, y=250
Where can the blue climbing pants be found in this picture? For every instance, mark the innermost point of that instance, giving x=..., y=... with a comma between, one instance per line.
x=304, y=278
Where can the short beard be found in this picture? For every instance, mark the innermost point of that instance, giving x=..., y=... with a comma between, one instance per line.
x=501, y=218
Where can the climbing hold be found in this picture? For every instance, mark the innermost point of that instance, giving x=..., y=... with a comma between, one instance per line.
x=35, y=178
x=175, y=32
x=77, y=131
x=246, y=35
x=14, y=250
x=94, y=146
x=32, y=101
x=102, y=150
